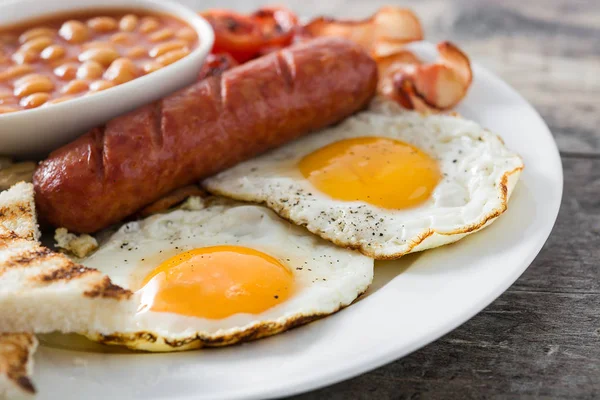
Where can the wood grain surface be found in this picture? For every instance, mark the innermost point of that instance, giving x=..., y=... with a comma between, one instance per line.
x=540, y=339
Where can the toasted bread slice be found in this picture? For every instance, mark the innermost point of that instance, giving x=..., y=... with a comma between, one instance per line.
x=17, y=211
x=43, y=291
x=17, y=217
x=16, y=365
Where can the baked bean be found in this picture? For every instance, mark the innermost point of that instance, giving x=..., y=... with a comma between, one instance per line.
x=53, y=52
x=97, y=86
x=137, y=52
x=151, y=67
x=8, y=109
x=24, y=57
x=163, y=34
x=172, y=56
x=149, y=24
x=36, y=44
x=15, y=71
x=102, y=55
x=34, y=100
x=121, y=70
x=60, y=99
x=121, y=38
x=187, y=34
x=7, y=98
x=75, y=86
x=66, y=71
x=102, y=24
x=34, y=85
x=35, y=33
x=29, y=78
x=9, y=39
x=90, y=70
x=57, y=63
x=163, y=48
x=128, y=23
x=74, y=31
x=54, y=60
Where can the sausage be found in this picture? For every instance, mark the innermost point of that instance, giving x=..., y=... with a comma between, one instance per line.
x=115, y=170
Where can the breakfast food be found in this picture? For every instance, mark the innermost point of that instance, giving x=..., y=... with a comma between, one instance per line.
x=245, y=37
x=403, y=77
x=423, y=86
x=70, y=55
x=17, y=216
x=113, y=171
x=18, y=212
x=224, y=273
x=216, y=64
x=213, y=272
x=37, y=284
x=170, y=200
x=16, y=364
x=385, y=182
x=389, y=28
x=212, y=276
x=77, y=245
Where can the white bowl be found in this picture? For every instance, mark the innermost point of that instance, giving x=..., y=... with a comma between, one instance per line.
x=38, y=131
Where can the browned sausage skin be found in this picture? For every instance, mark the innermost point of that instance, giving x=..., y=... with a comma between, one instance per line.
x=113, y=171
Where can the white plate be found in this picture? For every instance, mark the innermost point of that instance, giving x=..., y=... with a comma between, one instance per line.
x=413, y=301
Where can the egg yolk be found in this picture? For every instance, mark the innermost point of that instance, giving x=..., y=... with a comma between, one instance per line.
x=384, y=172
x=216, y=282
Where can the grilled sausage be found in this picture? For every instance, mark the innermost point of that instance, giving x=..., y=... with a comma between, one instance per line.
x=113, y=171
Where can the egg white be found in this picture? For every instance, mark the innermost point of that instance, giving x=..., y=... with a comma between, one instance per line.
x=479, y=175
x=327, y=278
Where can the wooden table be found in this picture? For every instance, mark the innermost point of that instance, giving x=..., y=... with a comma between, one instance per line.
x=542, y=337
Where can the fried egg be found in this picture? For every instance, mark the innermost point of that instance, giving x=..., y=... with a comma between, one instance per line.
x=386, y=181
x=223, y=272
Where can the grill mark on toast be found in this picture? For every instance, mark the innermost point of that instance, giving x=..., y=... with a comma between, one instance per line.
x=26, y=258
x=24, y=383
x=67, y=272
x=106, y=289
x=17, y=210
x=15, y=350
x=17, y=214
x=6, y=237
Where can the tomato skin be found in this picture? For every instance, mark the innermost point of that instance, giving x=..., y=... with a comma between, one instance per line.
x=247, y=36
x=216, y=64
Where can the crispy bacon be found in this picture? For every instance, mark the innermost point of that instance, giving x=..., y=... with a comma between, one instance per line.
x=388, y=26
x=414, y=84
x=425, y=87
